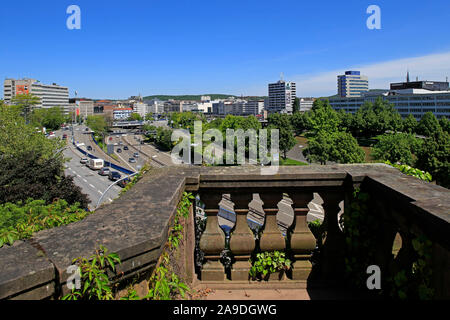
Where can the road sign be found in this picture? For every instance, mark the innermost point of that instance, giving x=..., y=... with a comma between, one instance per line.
x=110, y=149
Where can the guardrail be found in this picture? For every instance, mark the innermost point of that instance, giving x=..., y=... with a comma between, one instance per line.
x=107, y=163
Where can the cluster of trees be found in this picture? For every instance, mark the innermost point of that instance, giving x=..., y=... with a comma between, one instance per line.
x=32, y=165
x=160, y=136
x=424, y=144
x=329, y=140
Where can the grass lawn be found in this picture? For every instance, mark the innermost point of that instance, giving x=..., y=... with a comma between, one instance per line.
x=291, y=162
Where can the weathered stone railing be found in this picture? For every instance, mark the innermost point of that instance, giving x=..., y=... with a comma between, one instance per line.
x=136, y=225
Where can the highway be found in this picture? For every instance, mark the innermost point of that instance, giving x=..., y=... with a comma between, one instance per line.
x=90, y=182
x=119, y=142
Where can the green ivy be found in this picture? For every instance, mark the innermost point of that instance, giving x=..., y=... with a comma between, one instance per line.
x=410, y=171
x=94, y=279
x=266, y=263
x=415, y=283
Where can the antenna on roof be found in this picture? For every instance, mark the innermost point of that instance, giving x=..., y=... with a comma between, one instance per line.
x=281, y=76
x=407, y=76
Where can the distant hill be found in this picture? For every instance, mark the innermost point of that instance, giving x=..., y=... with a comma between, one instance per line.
x=197, y=97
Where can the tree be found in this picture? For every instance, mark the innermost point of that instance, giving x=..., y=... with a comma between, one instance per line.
x=434, y=157
x=97, y=123
x=398, y=147
x=299, y=122
x=25, y=102
x=339, y=146
x=323, y=117
x=445, y=124
x=32, y=165
x=410, y=124
x=346, y=120
x=135, y=117
x=296, y=106
x=373, y=119
x=149, y=116
x=428, y=125
x=286, y=136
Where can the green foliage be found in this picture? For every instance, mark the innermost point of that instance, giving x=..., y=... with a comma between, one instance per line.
x=97, y=123
x=30, y=175
x=415, y=282
x=316, y=229
x=283, y=123
x=267, y=263
x=135, y=178
x=410, y=124
x=376, y=118
x=398, y=147
x=21, y=220
x=360, y=232
x=428, y=125
x=17, y=138
x=299, y=122
x=135, y=117
x=445, y=124
x=410, y=171
x=323, y=118
x=51, y=118
x=185, y=120
x=434, y=157
x=340, y=147
x=25, y=103
x=95, y=284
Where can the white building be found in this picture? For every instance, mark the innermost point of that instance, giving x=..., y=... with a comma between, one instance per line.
x=352, y=84
x=281, y=97
x=306, y=104
x=155, y=106
x=140, y=108
x=407, y=101
x=50, y=95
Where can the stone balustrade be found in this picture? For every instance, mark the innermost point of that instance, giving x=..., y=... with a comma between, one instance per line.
x=245, y=213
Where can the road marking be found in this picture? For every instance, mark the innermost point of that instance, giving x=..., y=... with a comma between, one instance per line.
x=85, y=180
x=110, y=200
x=92, y=186
x=100, y=192
x=79, y=176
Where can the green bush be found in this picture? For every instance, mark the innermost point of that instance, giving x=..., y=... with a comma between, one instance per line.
x=267, y=263
x=21, y=220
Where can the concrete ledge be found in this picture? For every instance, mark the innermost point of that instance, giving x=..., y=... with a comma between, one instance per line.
x=26, y=273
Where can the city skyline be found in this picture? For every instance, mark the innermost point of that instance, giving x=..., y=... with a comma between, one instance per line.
x=154, y=48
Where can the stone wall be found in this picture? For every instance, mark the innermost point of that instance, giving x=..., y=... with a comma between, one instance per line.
x=136, y=225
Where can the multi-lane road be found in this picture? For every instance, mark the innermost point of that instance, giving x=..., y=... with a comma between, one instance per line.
x=90, y=182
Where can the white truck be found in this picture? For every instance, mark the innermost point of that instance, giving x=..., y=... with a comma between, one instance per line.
x=96, y=164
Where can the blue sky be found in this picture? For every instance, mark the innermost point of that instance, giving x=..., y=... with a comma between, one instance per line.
x=193, y=47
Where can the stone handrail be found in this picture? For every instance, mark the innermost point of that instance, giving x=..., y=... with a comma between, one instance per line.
x=136, y=225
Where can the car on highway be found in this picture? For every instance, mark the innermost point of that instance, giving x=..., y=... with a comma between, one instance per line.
x=132, y=160
x=84, y=160
x=125, y=148
x=114, y=176
x=104, y=171
x=64, y=136
x=123, y=183
x=136, y=155
x=87, y=129
x=119, y=150
x=89, y=148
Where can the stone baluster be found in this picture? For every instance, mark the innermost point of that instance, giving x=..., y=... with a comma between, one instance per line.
x=271, y=238
x=302, y=241
x=242, y=241
x=212, y=241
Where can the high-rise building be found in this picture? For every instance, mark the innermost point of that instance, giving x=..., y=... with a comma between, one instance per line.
x=281, y=97
x=352, y=84
x=50, y=95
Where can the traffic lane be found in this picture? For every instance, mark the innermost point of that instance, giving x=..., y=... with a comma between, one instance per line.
x=162, y=157
x=89, y=180
x=130, y=153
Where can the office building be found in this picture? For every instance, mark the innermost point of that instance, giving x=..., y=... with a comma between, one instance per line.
x=414, y=98
x=306, y=104
x=82, y=107
x=352, y=84
x=281, y=97
x=253, y=107
x=50, y=95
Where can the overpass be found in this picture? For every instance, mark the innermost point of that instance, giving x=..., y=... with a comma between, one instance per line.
x=128, y=124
